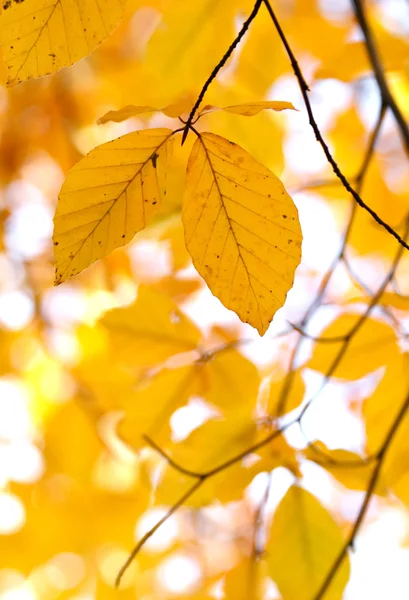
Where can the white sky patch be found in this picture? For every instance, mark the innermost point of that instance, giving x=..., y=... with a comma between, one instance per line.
x=16, y=309
x=179, y=574
x=12, y=513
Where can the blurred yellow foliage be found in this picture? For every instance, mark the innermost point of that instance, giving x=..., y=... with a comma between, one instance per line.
x=150, y=437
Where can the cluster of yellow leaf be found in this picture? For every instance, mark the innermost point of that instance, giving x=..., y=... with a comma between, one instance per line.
x=144, y=373
x=241, y=226
x=149, y=333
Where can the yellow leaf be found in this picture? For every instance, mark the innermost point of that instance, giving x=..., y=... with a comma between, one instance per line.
x=246, y=581
x=352, y=60
x=117, y=116
x=380, y=411
x=346, y=467
x=6, y=340
x=267, y=145
x=374, y=345
x=304, y=537
x=178, y=108
x=207, y=447
x=150, y=330
x=251, y=108
x=108, y=197
x=387, y=299
x=39, y=37
x=149, y=410
x=232, y=382
x=171, y=110
x=241, y=228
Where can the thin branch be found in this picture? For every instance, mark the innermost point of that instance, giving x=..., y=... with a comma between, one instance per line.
x=328, y=275
x=358, y=281
x=320, y=340
x=304, y=92
x=170, y=460
x=220, y=65
x=151, y=531
x=200, y=479
x=379, y=72
x=354, y=330
x=318, y=183
x=368, y=496
x=260, y=519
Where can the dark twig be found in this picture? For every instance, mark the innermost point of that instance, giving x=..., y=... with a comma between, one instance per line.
x=151, y=531
x=379, y=72
x=354, y=330
x=328, y=275
x=220, y=65
x=170, y=460
x=380, y=457
x=304, y=92
x=200, y=479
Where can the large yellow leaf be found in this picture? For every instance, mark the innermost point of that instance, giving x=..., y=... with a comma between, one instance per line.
x=241, y=228
x=303, y=544
x=108, y=196
x=373, y=346
x=38, y=37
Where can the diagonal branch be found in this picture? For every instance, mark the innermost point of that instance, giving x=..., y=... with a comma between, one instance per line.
x=380, y=458
x=354, y=330
x=220, y=65
x=304, y=92
x=379, y=72
x=151, y=531
x=328, y=275
x=200, y=479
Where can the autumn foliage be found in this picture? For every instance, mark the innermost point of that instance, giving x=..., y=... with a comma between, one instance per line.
x=204, y=299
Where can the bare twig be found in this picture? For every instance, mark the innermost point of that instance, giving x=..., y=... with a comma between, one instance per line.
x=354, y=330
x=220, y=65
x=379, y=72
x=304, y=92
x=364, y=506
x=328, y=275
x=151, y=531
x=200, y=479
